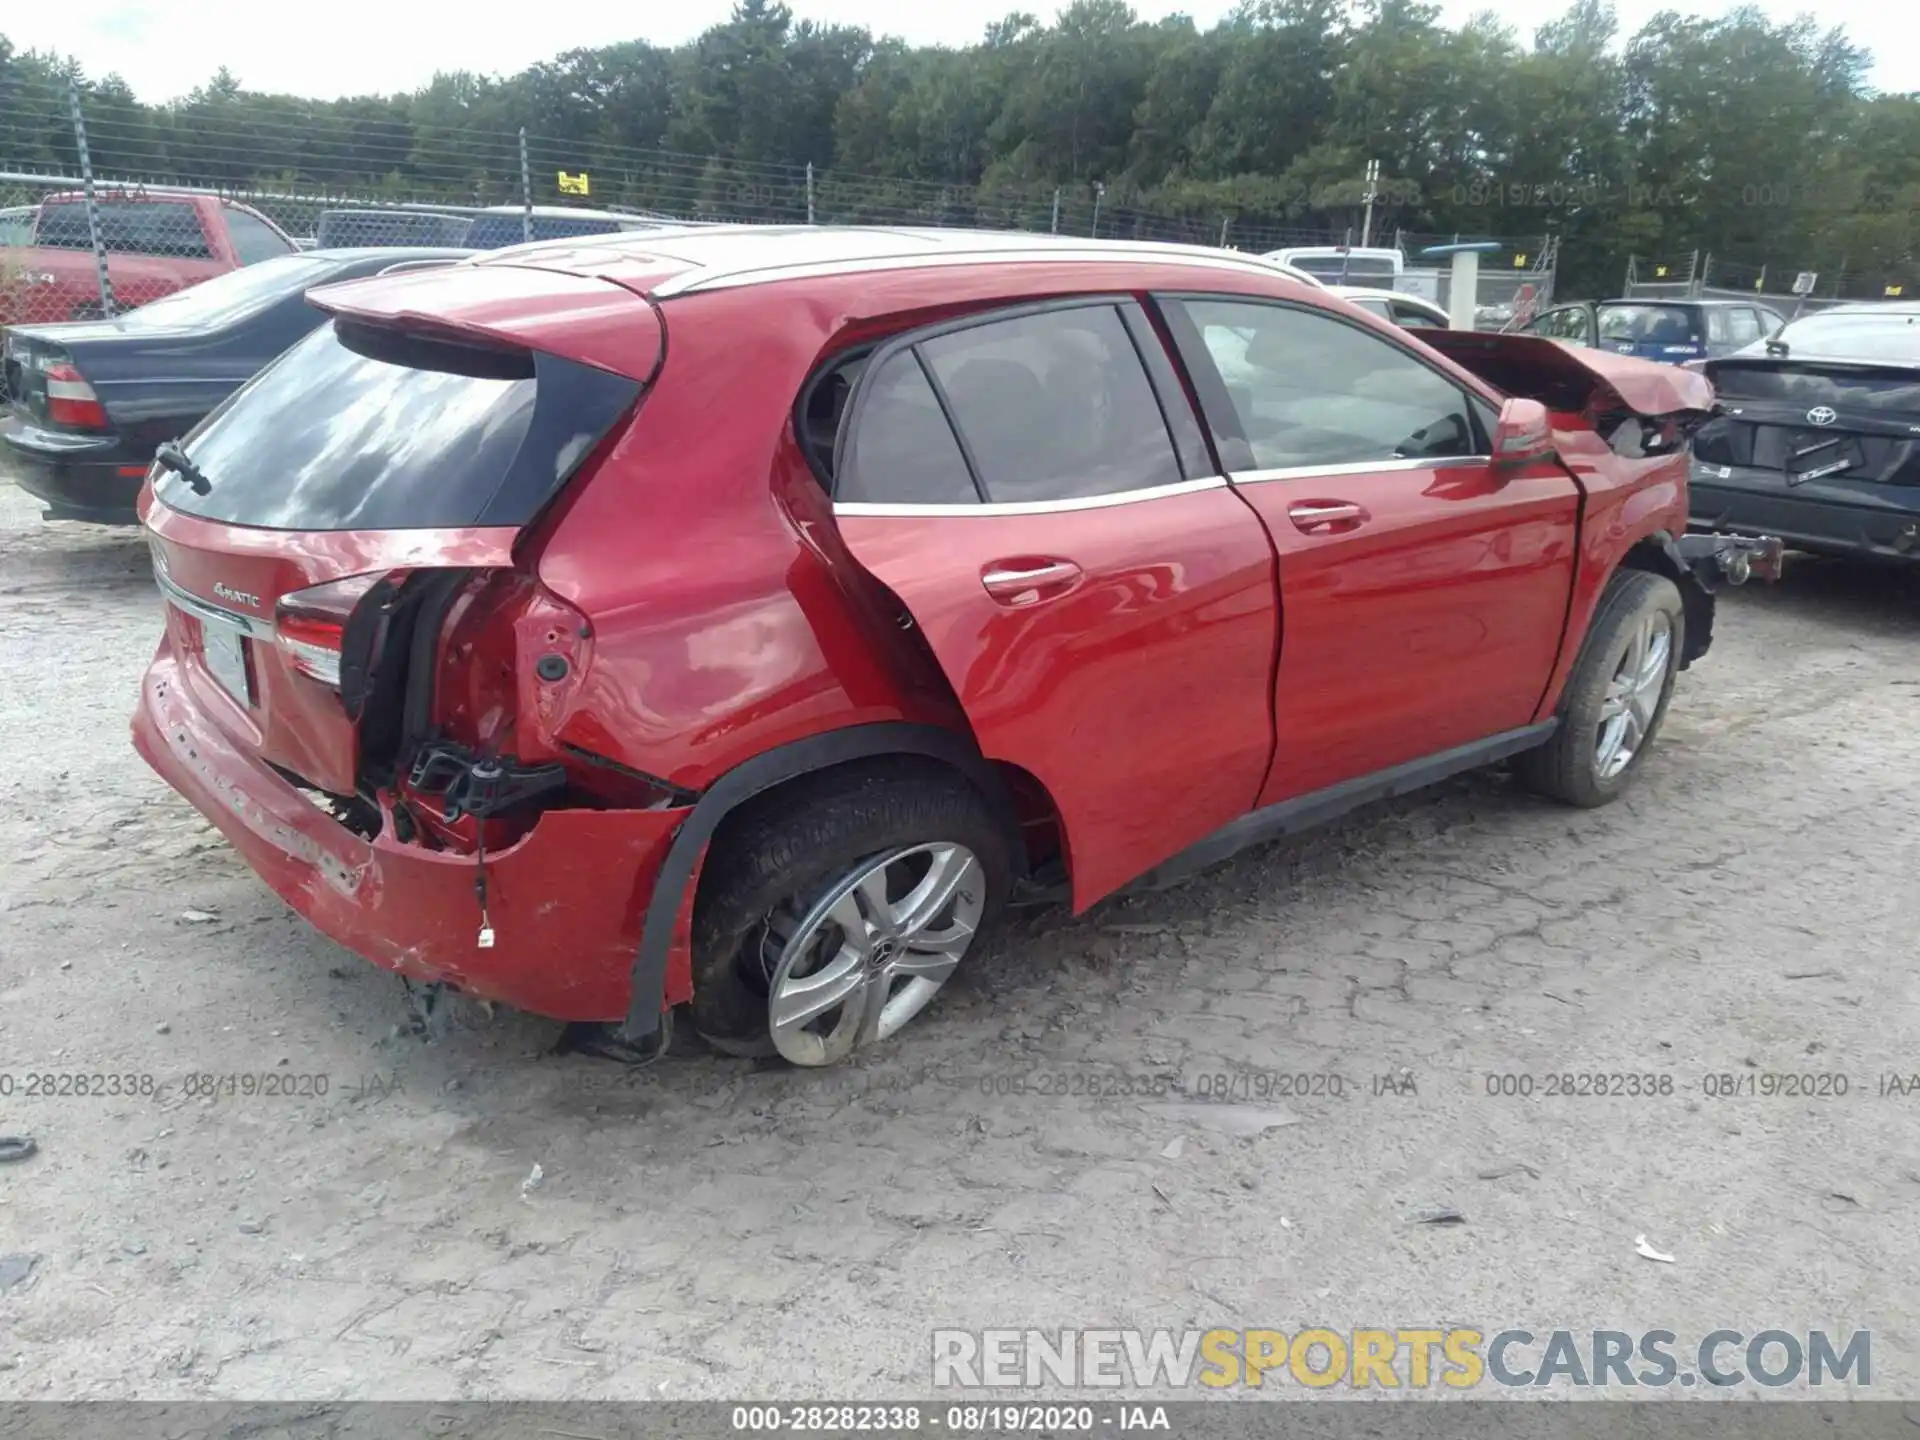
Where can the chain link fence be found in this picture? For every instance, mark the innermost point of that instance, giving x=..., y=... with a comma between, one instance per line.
x=1698, y=276
x=107, y=208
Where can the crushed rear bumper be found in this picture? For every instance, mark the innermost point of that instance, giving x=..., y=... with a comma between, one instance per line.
x=565, y=901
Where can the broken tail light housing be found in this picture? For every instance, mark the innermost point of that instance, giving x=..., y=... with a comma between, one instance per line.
x=310, y=626
x=70, y=399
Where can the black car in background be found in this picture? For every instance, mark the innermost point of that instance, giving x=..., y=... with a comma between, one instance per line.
x=1669, y=331
x=365, y=229
x=90, y=401
x=1816, y=435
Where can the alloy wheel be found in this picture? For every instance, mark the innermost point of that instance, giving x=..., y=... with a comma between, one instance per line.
x=1633, y=695
x=868, y=955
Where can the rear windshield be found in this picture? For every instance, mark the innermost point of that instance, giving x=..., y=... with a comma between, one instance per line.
x=363, y=429
x=492, y=232
x=1350, y=270
x=349, y=228
x=1650, y=324
x=230, y=297
x=1810, y=385
x=131, y=227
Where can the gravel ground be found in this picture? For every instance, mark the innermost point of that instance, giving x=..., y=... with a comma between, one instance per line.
x=710, y=1228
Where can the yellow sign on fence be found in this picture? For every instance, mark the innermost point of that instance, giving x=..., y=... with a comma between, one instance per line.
x=574, y=184
x=1894, y=292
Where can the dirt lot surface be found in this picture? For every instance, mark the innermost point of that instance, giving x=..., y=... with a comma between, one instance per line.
x=710, y=1228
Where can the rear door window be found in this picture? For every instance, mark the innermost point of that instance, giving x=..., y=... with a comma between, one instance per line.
x=142, y=227
x=1054, y=405
x=357, y=428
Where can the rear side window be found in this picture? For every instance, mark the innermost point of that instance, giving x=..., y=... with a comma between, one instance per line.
x=903, y=452
x=1054, y=406
x=253, y=239
x=361, y=429
x=128, y=228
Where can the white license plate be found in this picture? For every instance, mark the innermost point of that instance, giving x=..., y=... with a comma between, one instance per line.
x=226, y=654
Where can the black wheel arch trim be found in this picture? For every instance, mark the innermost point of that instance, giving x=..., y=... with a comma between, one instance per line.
x=1696, y=596
x=758, y=775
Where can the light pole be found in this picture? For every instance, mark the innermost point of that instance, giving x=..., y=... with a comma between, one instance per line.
x=1099, y=194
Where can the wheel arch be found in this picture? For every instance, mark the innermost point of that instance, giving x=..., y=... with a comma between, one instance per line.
x=676, y=887
x=1658, y=553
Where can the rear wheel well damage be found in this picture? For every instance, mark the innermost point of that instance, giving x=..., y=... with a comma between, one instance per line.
x=782, y=777
x=1657, y=554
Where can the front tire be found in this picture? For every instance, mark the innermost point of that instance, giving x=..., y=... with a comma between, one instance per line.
x=1617, y=695
x=839, y=907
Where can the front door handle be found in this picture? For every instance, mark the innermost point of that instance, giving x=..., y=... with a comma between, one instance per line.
x=1327, y=517
x=1028, y=581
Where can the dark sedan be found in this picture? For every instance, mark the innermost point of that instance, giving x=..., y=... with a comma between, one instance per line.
x=90, y=401
x=1816, y=435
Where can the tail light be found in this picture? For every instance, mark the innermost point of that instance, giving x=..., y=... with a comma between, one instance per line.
x=71, y=401
x=310, y=626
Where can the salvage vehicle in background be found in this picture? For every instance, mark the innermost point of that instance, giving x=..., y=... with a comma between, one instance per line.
x=1404, y=310
x=1669, y=331
x=1816, y=435
x=341, y=229
x=89, y=402
x=741, y=619
x=501, y=225
x=156, y=243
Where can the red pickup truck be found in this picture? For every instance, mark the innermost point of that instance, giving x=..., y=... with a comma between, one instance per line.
x=156, y=244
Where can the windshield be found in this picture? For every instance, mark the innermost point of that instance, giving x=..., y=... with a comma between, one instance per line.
x=16, y=227
x=492, y=232
x=1649, y=324
x=349, y=228
x=233, y=296
x=1855, y=335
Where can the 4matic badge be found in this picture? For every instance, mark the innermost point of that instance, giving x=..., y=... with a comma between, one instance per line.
x=238, y=597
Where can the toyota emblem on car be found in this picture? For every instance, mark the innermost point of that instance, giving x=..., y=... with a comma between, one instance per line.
x=1821, y=415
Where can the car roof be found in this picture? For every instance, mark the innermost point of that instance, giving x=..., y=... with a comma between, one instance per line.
x=1865, y=307
x=684, y=261
x=348, y=253
x=1370, y=292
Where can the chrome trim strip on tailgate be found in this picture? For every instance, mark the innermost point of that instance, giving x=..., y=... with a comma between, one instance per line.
x=250, y=625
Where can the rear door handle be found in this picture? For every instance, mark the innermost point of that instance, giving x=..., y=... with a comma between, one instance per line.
x=1326, y=517
x=1028, y=581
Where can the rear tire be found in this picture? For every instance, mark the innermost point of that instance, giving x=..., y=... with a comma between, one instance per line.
x=1617, y=695
x=830, y=852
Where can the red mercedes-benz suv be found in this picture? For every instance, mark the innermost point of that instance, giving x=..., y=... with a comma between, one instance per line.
x=739, y=619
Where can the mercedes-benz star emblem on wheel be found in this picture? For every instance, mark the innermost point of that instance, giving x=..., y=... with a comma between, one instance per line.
x=1821, y=415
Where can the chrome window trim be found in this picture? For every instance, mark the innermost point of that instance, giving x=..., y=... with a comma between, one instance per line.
x=1034, y=507
x=253, y=626
x=696, y=281
x=1358, y=467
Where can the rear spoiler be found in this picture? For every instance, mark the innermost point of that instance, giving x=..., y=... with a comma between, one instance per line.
x=578, y=317
x=1568, y=379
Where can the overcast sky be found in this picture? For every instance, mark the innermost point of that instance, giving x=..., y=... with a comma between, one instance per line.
x=163, y=48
